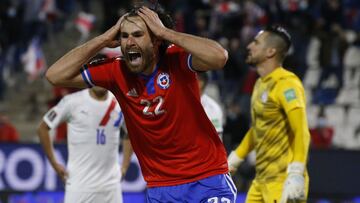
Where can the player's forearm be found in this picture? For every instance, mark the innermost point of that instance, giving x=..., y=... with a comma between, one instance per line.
x=68, y=67
x=246, y=145
x=301, y=141
x=43, y=133
x=207, y=54
x=127, y=152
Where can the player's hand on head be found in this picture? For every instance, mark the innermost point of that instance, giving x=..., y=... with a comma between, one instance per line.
x=152, y=20
x=294, y=185
x=112, y=35
x=61, y=171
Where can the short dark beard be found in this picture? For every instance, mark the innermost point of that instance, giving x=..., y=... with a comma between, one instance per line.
x=249, y=61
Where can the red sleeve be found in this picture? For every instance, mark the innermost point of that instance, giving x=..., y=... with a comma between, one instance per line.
x=100, y=73
x=183, y=57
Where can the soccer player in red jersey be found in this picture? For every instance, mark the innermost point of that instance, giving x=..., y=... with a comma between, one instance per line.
x=180, y=153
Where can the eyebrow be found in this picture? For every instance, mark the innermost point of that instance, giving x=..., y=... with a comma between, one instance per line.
x=134, y=33
x=137, y=32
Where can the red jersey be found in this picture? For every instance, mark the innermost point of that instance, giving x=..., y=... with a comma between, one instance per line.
x=171, y=135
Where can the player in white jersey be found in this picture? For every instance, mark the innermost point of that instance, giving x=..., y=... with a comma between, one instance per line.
x=212, y=108
x=94, y=119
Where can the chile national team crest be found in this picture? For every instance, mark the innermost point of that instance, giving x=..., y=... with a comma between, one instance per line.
x=163, y=80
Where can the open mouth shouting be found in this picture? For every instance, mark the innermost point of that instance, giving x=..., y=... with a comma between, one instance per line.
x=135, y=57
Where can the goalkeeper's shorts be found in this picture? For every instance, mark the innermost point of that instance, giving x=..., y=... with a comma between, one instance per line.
x=218, y=188
x=270, y=192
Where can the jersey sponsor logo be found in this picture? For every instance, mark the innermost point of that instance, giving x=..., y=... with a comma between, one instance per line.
x=290, y=95
x=52, y=115
x=132, y=93
x=163, y=80
x=264, y=96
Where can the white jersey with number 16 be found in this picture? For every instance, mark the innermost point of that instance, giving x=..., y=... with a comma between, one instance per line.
x=93, y=140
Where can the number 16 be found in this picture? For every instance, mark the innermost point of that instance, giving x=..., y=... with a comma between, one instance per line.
x=100, y=136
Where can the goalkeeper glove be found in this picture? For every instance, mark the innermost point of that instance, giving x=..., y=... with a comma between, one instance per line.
x=294, y=186
x=234, y=161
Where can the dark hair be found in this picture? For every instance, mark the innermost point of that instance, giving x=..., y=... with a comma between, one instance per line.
x=165, y=18
x=282, y=33
x=98, y=58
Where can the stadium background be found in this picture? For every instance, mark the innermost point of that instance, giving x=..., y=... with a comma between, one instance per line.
x=325, y=55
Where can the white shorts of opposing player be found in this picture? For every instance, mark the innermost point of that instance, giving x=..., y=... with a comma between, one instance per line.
x=108, y=196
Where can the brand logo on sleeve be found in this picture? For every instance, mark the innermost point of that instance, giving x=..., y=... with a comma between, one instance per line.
x=163, y=80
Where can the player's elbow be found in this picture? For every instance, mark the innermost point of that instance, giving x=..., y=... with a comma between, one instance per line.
x=42, y=129
x=222, y=58
x=52, y=77
x=39, y=132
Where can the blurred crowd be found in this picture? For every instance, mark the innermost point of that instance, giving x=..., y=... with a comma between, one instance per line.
x=325, y=52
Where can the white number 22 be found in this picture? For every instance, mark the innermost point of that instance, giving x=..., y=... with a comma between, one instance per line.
x=216, y=200
x=159, y=100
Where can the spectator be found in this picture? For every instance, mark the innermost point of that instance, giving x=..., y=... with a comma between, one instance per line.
x=322, y=134
x=212, y=109
x=332, y=49
x=8, y=132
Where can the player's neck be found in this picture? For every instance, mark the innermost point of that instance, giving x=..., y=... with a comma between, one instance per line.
x=267, y=67
x=151, y=68
x=99, y=96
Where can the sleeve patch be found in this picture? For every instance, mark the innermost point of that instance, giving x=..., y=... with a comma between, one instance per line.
x=290, y=95
x=52, y=115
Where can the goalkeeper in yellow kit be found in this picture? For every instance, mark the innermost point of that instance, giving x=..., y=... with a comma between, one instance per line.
x=279, y=132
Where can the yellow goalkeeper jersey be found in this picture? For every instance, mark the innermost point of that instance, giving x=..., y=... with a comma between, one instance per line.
x=273, y=97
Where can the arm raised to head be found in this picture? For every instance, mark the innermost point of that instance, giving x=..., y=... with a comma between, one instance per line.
x=66, y=70
x=207, y=54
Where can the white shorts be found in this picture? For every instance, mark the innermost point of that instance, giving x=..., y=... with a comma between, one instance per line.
x=109, y=196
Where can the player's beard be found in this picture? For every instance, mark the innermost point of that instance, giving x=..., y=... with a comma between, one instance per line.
x=249, y=59
x=253, y=60
x=135, y=69
x=147, y=58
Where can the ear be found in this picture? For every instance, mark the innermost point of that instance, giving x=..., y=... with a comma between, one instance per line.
x=271, y=52
x=157, y=41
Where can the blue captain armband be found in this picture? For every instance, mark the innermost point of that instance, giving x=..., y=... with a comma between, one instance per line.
x=86, y=76
x=189, y=63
